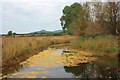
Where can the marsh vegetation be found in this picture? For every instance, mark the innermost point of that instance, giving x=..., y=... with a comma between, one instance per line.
x=89, y=44
x=60, y=59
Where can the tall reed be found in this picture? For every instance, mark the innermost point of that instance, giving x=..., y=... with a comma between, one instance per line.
x=16, y=47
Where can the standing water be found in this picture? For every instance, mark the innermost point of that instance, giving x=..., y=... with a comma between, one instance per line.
x=62, y=63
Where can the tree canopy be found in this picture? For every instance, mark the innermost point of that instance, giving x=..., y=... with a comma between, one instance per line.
x=9, y=33
x=72, y=15
x=98, y=15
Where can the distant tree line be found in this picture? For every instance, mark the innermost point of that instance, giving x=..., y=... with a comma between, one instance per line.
x=13, y=34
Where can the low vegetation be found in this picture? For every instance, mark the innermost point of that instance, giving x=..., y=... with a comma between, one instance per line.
x=105, y=44
x=99, y=21
x=104, y=48
x=17, y=47
x=97, y=32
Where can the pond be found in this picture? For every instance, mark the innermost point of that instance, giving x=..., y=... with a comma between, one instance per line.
x=57, y=62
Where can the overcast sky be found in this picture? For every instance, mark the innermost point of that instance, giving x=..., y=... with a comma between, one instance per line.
x=22, y=16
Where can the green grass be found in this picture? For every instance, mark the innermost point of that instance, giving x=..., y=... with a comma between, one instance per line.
x=105, y=44
x=103, y=48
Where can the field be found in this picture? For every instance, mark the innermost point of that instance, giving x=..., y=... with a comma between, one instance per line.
x=13, y=48
x=16, y=47
x=34, y=51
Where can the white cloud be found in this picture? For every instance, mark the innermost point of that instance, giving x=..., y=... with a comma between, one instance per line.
x=0, y=18
x=32, y=14
x=28, y=11
x=41, y=1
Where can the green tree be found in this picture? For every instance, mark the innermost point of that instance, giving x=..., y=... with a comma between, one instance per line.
x=14, y=34
x=69, y=12
x=9, y=33
x=73, y=19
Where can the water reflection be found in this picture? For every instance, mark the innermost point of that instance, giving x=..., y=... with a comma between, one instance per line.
x=92, y=70
x=11, y=69
x=83, y=70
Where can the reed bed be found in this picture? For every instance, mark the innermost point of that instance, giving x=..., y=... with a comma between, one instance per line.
x=19, y=46
x=102, y=44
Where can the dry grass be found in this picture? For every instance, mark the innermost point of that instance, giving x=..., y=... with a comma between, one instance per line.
x=16, y=47
x=105, y=44
x=104, y=48
x=19, y=46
